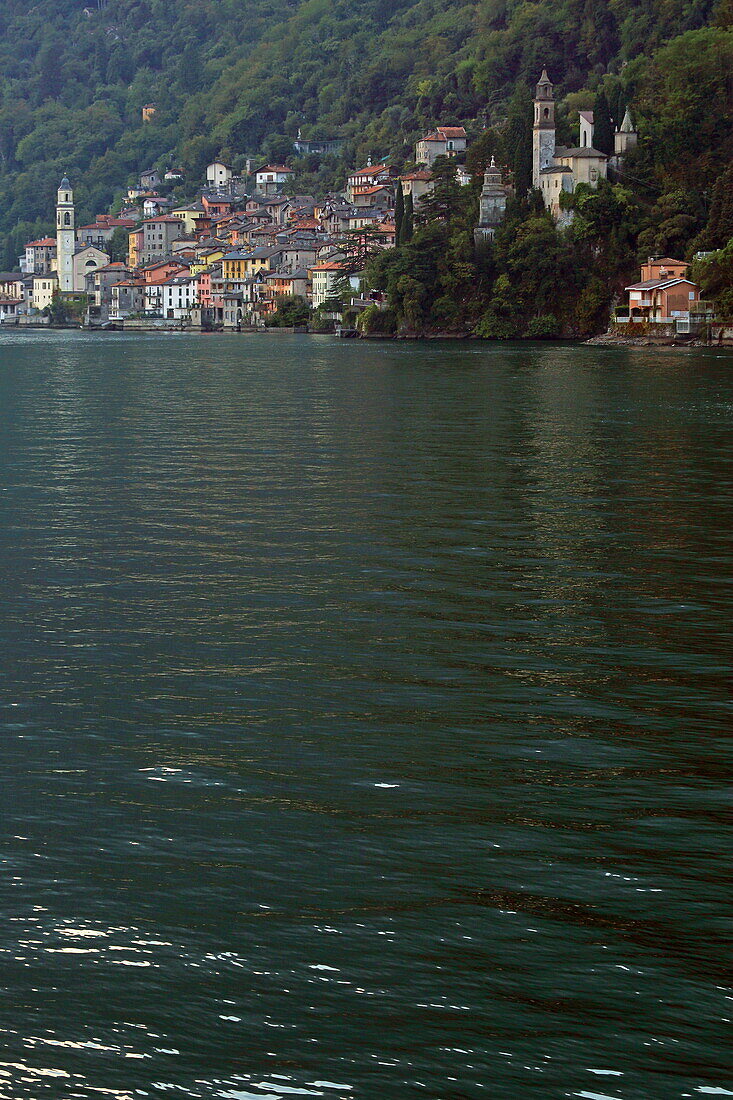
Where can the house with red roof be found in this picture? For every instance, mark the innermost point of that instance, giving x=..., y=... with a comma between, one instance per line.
x=365, y=178
x=664, y=294
x=39, y=256
x=443, y=141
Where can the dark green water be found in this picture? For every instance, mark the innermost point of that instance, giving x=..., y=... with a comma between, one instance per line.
x=366, y=720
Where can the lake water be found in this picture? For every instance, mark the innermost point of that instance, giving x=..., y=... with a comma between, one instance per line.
x=366, y=719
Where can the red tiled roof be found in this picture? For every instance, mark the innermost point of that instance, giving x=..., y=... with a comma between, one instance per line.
x=45, y=242
x=452, y=131
x=372, y=170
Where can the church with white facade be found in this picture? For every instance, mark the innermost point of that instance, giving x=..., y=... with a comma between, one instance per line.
x=556, y=169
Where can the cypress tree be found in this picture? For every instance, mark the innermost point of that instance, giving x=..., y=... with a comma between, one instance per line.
x=399, y=213
x=602, y=129
x=408, y=219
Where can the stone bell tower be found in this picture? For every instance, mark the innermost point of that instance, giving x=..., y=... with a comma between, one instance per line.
x=543, y=128
x=65, y=237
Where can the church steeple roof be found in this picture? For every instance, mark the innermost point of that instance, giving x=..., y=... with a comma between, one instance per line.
x=65, y=185
x=544, y=87
x=627, y=126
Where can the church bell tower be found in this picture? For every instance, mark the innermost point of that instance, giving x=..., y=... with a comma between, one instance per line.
x=65, y=237
x=543, y=128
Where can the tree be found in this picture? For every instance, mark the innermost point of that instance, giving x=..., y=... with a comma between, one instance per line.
x=118, y=246
x=719, y=229
x=602, y=126
x=715, y=276
x=518, y=138
x=292, y=309
x=399, y=212
x=408, y=220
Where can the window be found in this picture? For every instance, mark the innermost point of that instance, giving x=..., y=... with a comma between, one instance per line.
x=67, y=218
x=547, y=112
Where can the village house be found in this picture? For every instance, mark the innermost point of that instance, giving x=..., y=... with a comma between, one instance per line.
x=191, y=214
x=155, y=206
x=10, y=308
x=12, y=285
x=101, y=231
x=324, y=277
x=664, y=293
x=179, y=296
x=40, y=256
x=444, y=141
x=128, y=299
x=284, y=284
x=102, y=281
x=380, y=196
x=317, y=147
x=418, y=184
x=44, y=288
x=216, y=206
x=365, y=178
x=149, y=179
x=271, y=178
x=155, y=239
x=218, y=174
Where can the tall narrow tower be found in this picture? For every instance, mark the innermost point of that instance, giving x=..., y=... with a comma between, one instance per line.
x=65, y=237
x=543, y=128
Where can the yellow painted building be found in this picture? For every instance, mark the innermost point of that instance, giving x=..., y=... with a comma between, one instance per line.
x=44, y=288
x=234, y=265
x=190, y=217
x=207, y=259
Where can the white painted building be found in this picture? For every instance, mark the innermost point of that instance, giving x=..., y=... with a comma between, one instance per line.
x=218, y=174
x=179, y=296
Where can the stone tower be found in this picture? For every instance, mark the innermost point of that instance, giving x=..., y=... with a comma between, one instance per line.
x=65, y=237
x=492, y=205
x=543, y=128
x=625, y=137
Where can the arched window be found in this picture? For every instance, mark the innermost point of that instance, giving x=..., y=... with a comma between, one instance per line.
x=547, y=112
x=67, y=218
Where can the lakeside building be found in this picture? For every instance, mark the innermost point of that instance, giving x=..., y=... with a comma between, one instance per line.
x=664, y=294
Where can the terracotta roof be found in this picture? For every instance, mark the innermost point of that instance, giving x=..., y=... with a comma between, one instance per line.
x=659, y=284
x=452, y=131
x=274, y=168
x=44, y=242
x=420, y=175
x=372, y=170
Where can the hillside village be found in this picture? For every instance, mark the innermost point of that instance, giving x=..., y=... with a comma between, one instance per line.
x=249, y=252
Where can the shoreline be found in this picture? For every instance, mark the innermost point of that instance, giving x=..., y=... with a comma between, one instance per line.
x=603, y=340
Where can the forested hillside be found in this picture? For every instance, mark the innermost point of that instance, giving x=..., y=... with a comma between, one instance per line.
x=239, y=77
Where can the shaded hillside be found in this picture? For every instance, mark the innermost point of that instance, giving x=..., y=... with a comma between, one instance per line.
x=240, y=77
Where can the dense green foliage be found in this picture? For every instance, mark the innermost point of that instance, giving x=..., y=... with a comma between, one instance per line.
x=237, y=78
x=532, y=280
